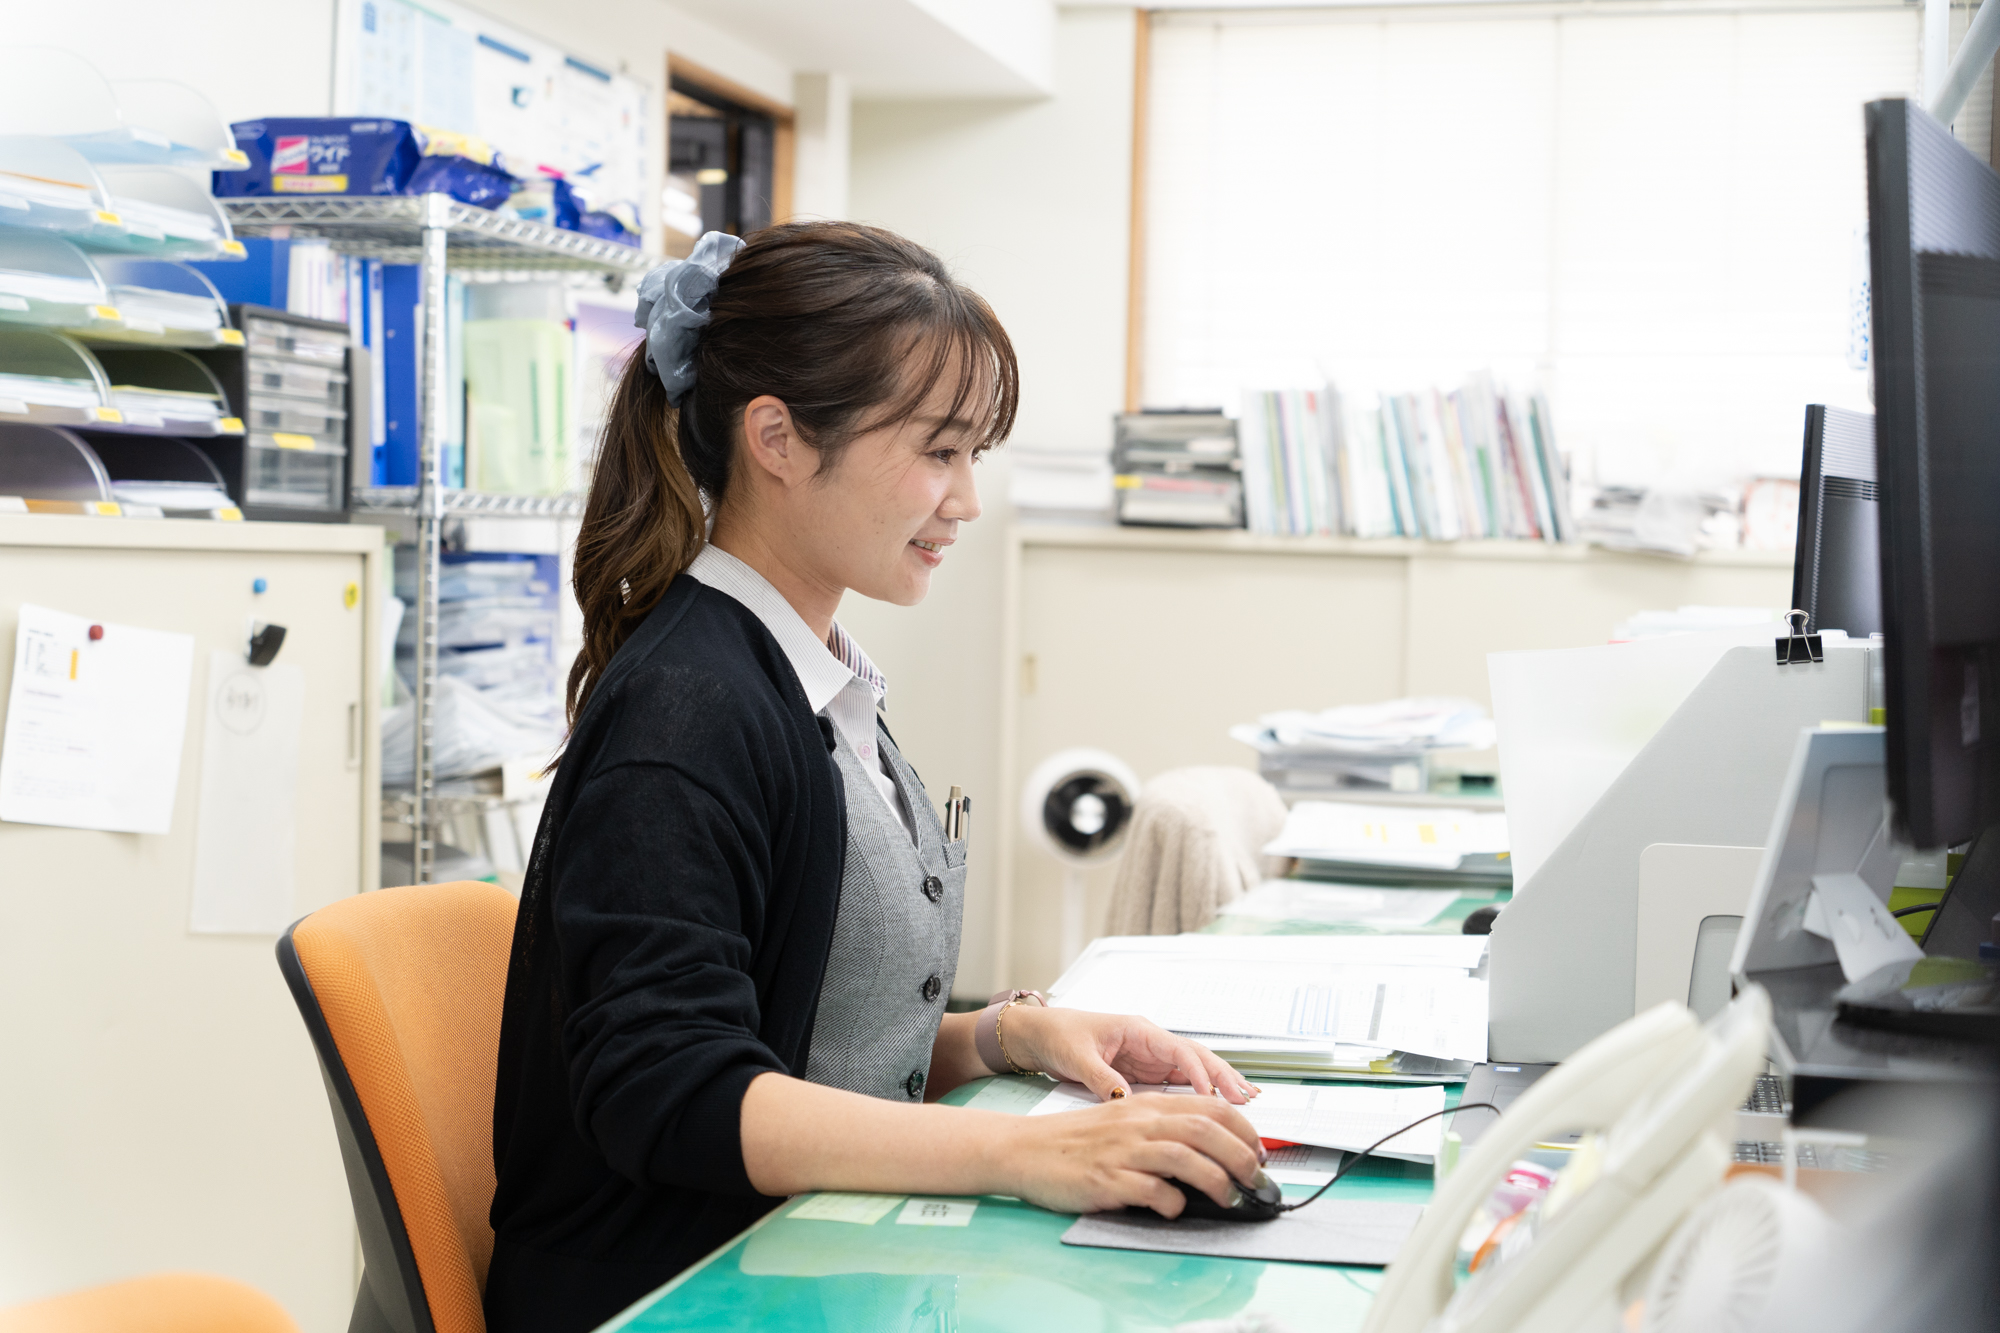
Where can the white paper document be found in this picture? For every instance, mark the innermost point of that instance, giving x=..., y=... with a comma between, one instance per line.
x=1460, y=952
x=1425, y=1010
x=1350, y=1119
x=246, y=835
x=1309, y=900
x=1865, y=937
x=1303, y=1164
x=96, y=716
x=1418, y=837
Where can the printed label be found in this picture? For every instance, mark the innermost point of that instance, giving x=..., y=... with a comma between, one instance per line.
x=292, y=153
x=308, y=184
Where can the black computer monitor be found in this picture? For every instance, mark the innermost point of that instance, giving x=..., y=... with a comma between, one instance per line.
x=1934, y=258
x=1837, y=572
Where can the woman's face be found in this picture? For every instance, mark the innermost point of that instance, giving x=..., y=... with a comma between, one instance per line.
x=881, y=514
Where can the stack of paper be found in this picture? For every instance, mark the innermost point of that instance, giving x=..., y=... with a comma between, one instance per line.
x=1399, y=1008
x=1360, y=907
x=1395, y=843
x=1382, y=746
x=1350, y=1119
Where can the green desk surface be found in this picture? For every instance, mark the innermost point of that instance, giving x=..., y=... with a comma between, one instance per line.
x=1006, y=1270
x=1451, y=921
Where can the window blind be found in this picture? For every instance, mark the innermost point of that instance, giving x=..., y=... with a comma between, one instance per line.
x=1651, y=212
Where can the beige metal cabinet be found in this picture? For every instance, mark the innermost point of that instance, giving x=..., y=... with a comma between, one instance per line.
x=162, y=1108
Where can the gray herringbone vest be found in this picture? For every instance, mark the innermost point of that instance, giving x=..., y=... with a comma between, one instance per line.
x=895, y=940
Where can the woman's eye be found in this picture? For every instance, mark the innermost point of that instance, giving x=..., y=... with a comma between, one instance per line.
x=944, y=456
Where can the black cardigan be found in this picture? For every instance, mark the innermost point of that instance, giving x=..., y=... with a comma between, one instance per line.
x=674, y=927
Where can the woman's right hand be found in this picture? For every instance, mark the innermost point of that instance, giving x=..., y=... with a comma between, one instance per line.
x=1121, y=1152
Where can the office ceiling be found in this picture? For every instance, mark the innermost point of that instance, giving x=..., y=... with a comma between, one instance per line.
x=899, y=50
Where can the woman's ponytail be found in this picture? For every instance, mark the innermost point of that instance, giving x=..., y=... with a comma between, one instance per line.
x=642, y=525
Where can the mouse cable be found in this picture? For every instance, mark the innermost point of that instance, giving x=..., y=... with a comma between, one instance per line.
x=1354, y=1159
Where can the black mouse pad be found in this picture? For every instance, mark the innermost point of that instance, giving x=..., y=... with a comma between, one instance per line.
x=1332, y=1231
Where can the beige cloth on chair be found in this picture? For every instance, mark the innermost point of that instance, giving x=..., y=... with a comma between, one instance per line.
x=1197, y=835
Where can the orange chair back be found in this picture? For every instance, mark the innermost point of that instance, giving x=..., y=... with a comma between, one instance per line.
x=162, y=1303
x=402, y=990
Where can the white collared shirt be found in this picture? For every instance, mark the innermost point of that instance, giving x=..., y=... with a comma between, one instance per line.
x=848, y=695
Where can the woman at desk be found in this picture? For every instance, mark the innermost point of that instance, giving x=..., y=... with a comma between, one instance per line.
x=740, y=922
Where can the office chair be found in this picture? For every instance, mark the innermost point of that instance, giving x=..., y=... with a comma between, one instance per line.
x=162, y=1303
x=401, y=991
x=1196, y=846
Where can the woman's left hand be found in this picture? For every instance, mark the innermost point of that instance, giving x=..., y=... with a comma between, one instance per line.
x=1107, y=1053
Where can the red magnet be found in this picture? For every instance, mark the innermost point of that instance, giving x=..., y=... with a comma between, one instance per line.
x=96, y=633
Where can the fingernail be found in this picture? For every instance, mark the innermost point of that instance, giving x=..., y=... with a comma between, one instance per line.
x=1117, y=1093
x=1263, y=1154
x=1235, y=1196
x=1260, y=1182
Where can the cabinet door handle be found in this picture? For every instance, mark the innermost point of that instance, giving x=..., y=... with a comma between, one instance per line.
x=354, y=735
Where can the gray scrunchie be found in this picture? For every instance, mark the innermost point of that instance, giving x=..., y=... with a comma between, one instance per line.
x=673, y=307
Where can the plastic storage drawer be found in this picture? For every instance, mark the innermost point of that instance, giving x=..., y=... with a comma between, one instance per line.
x=327, y=425
x=293, y=477
x=296, y=379
x=270, y=335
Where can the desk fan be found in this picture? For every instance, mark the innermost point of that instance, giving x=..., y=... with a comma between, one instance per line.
x=1077, y=806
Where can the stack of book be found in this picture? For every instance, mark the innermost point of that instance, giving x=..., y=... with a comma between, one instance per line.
x=1177, y=469
x=1476, y=463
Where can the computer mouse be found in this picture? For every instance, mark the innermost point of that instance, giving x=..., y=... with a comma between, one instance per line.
x=1257, y=1204
x=1479, y=921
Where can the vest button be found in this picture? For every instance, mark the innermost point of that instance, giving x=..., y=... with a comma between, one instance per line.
x=914, y=1084
x=931, y=988
x=933, y=887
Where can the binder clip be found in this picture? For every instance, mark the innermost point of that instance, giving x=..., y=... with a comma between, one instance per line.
x=265, y=640
x=1798, y=646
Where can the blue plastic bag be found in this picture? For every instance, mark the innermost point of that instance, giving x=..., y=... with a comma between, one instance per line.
x=335, y=155
x=463, y=179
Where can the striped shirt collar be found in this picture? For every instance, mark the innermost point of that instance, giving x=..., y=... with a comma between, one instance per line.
x=824, y=668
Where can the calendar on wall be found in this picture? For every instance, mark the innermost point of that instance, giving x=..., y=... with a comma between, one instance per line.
x=446, y=67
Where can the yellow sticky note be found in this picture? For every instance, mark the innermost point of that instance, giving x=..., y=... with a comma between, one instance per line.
x=109, y=312
x=229, y=337
x=350, y=595
x=285, y=441
x=233, y=250
x=109, y=219
x=230, y=425
x=106, y=508
x=230, y=515
x=107, y=414
x=862, y=1209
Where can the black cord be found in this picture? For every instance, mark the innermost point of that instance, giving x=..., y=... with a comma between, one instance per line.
x=1354, y=1159
x=1920, y=907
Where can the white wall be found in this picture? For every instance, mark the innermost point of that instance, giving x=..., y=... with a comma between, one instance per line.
x=823, y=105
x=1030, y=204
x=251, y=57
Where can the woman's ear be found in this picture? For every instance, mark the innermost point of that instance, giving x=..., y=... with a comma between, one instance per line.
x=772, y=441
